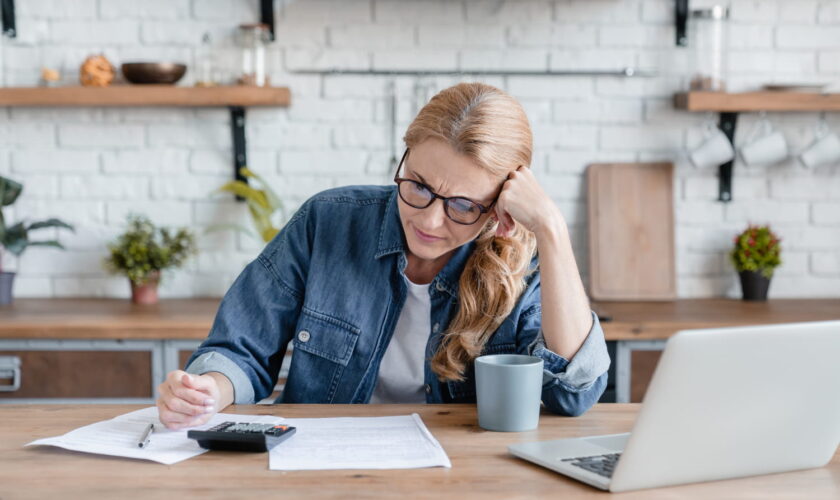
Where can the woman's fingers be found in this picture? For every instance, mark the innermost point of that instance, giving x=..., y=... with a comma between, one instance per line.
x=192, y=396
x=175, y=421
x=180, y=406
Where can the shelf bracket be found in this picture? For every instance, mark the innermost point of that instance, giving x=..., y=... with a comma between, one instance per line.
x=237, y=127
x=267, y=15
x=681, y=21
x=728, y=121
x=7, y=12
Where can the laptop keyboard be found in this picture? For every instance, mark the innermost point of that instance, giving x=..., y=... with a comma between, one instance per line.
x=603, y=465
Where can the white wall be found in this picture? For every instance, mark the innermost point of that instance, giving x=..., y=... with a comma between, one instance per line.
x=91, y=166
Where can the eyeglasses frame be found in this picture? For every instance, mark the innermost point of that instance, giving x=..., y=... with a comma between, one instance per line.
x=444, y=199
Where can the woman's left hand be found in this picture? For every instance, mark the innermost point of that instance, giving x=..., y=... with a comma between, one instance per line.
x=523, y=201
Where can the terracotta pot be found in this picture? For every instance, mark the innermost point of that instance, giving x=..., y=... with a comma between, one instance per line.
x=7, y=279
x=147, y=293
x=754, y=285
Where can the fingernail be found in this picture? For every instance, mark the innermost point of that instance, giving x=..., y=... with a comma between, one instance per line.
x=209, y=402
x=209, y=409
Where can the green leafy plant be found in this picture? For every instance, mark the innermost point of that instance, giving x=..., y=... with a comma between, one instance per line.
x=264, y=206
x=15, y=238
x=144, y=250
x=757, y=249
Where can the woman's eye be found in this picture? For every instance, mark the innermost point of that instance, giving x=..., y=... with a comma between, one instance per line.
x=463, y=205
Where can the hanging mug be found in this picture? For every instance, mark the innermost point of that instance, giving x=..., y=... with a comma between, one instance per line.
x=715, y=148
x=765, y=145
x=824, y=149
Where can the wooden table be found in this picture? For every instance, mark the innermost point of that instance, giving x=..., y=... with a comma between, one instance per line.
x=169, y=331
x=481, y=466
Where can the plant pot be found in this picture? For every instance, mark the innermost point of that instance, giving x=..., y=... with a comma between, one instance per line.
x=7, y=279
x=754, y=285
x=147, y=293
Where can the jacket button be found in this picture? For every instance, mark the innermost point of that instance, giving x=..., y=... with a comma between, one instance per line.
x=440, y=287
x=436, y=328
x=303, y=336
x=428, y=389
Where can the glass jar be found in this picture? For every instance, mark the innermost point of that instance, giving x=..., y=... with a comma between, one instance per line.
x=253, y=40
x=206, y=66
x=707, y=29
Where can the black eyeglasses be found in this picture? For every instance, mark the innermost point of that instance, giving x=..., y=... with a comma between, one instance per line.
x=418, y=195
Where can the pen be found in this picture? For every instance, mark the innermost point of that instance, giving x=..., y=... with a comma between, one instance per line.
x=147, y=434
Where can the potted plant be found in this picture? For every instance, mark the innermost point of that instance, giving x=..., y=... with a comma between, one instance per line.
x=756, y=255
x=264, y=205
x=15, y=238
x=143, y=251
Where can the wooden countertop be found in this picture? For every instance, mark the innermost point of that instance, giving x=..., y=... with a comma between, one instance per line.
x=660, y=320
x=107, y=319
x=191, y=319
x=481, y=466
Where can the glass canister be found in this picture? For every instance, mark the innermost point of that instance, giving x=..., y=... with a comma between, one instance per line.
x=207, y=71
x=253, y=40
x=707, y=30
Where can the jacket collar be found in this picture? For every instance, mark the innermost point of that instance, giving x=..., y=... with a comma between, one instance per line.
x=392, y=240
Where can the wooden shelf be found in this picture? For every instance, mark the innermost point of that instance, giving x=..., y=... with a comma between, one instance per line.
x=236, y=98
x=757, y=101
x=145, y=95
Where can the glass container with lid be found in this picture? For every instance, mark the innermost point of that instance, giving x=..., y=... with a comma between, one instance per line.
x=253, y=40
x=707, y=31
x=207, y=71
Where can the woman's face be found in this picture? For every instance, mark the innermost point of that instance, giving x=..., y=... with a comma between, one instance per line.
x=429, y=233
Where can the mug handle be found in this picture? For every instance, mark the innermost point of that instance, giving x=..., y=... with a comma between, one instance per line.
x=761, y=128
x=822, y=127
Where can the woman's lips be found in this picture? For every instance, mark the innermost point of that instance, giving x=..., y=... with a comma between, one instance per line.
x=426, y=237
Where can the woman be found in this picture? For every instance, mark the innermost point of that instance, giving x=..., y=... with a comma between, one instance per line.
x=388, y=293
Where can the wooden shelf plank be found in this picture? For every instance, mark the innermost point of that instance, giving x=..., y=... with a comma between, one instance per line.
x=757, y=101
x=145, y=95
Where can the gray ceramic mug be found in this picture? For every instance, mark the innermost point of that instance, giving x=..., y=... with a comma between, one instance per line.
x=508, y=390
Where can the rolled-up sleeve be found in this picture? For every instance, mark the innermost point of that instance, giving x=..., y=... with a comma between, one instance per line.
x=570, y=387
x=215, y=361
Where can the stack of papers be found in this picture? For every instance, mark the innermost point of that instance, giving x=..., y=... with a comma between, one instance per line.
x=401, y=442
x=119, y=436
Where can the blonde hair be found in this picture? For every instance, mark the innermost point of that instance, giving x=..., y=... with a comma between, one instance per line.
x=491, y=128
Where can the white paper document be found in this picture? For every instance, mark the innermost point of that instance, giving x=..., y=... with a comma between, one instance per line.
x=119, y=436
x=401, y=442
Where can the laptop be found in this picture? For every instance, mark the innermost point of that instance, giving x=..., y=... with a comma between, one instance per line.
x=723, y=403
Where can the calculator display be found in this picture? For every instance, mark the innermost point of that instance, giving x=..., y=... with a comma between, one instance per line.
x=245, y=427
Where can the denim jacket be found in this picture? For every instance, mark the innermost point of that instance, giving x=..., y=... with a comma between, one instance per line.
x=331, y=282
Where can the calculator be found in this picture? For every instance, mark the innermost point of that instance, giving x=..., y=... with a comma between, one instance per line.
x=242, y=436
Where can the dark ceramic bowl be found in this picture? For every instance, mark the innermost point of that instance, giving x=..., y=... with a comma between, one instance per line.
x=146, y=72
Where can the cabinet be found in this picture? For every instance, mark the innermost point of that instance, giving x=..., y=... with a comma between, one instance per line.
x=99, y=350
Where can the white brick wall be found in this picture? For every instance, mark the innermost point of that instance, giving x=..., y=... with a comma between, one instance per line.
x=92, y=166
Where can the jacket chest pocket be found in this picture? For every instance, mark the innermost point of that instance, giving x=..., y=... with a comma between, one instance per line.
x=323, y=345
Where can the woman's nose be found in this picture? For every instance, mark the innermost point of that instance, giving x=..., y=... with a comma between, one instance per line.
x=434, y=215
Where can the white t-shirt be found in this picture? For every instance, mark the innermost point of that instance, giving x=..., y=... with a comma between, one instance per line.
x=401, y=373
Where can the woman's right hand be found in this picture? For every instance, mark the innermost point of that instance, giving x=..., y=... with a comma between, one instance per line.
x=187, y=400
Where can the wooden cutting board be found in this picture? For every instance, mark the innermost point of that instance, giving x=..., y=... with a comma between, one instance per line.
x=631, y=231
